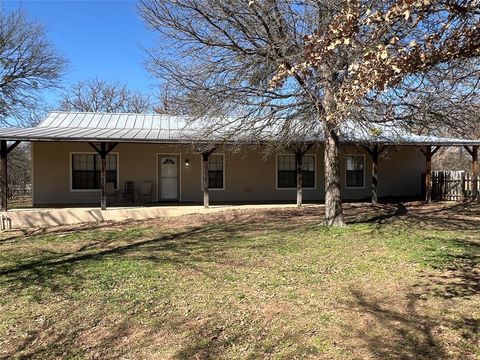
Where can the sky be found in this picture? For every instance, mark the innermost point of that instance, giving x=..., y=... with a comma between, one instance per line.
x=98, y=38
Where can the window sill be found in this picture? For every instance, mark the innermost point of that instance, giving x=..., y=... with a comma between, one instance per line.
x=88, y=190
x=294, y=188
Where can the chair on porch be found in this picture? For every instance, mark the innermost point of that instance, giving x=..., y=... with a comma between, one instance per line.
x=111, y=192
x=129, y=192
x=146, y=191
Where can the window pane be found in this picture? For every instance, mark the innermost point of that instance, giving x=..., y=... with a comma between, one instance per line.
x=83, y=162
x=215, y=179
x=76, y=162
x=355, y=171
x=287, y=172
x=308, y=179
x=308, y=171
x=286, y=162
x=287, y=179
x=86, y=171
x=112, y=177
x=215, y=163
x=308, y=163
x=355, y=162
x=215, y=172
x=111, y=162
x=83, y=180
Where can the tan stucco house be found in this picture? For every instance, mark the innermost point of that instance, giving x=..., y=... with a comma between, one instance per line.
x=148, y=159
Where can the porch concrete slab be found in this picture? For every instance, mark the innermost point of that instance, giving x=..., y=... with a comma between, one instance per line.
x=47, y=217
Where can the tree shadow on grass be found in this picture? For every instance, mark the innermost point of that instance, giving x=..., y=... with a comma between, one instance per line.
x=438, y=216
x=397, y=334
x=200, y=244
x=459, y=272
x=58, y=339
x=199, y=338
x=189, y=248
x=216, y=340
x=412, y=331
x=380, y=214
x=45, y=270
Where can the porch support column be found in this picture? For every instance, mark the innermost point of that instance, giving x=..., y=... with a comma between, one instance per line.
x=103, y=151
x=300, y=150
x=206, y=196
x=475, y=169
x=298, y=162
x=375, y=152
x=103, y=176
x=3, y=176
x=4, y=151
x=428, y=151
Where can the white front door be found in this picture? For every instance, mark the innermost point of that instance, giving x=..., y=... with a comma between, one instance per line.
x=168, y=178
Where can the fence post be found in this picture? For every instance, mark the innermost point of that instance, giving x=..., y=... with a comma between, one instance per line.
x=475, y=171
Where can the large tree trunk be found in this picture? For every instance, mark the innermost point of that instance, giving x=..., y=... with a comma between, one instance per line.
x=333, y=201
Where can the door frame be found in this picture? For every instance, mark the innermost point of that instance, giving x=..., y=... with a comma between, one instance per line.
x=179, y=170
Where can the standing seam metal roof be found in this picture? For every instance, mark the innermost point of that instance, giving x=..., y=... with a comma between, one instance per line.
x=159, y=128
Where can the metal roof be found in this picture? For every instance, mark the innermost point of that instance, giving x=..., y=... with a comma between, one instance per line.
x=113, y=127
x=113, y=121
x=159, y=128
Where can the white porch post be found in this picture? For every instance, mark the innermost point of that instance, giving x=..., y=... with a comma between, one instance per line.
x=206, y=196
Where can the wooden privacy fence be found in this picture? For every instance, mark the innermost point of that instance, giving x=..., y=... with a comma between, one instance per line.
x=453, y=185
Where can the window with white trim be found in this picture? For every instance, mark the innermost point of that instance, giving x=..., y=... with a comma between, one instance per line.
x=287, y=172
x=355, y=170
x=215, y=171
x=86, y=171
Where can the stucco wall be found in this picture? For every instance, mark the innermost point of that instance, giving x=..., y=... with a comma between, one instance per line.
x=249, y=175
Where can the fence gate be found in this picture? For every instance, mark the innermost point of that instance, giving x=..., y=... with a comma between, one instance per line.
x=452, y=185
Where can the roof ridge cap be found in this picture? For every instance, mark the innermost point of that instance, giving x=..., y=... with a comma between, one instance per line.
x=108, y=113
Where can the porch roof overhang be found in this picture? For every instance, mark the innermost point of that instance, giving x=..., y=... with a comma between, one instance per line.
x=91, y=135
x=164, y=137
x=165, y=129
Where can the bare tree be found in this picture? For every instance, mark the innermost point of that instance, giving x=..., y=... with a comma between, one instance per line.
x=165, y=105
x=292, y=70
x=96, y=95
x=452, y=159
x=20, y=169
x=29, y=63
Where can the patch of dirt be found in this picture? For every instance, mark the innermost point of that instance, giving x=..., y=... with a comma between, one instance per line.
x=440, y=214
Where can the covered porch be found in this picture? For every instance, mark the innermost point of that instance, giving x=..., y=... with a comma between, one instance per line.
x=375, y=151
x=104, y=134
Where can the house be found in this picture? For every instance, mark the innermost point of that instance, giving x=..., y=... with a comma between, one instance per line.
x=86, y=158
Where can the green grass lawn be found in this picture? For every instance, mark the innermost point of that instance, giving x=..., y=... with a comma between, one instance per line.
x=247, y=285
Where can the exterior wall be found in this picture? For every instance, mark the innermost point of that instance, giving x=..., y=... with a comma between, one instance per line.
x=249, y=175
